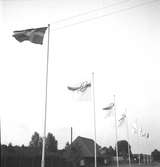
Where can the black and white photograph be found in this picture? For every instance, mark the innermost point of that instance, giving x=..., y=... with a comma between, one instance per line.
x=80, y=83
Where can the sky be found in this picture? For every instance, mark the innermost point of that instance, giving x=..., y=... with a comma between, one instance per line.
x=119, y=43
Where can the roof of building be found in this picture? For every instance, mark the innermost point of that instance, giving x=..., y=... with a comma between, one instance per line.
x=85, y=147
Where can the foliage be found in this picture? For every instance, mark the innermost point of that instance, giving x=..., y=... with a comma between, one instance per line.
x=36, y=141
x=123, y=148
x=24, y=156
x=67, y=145
x=51, y=143
x=108, y=151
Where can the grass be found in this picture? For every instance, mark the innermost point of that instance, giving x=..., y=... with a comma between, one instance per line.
x=155, y=164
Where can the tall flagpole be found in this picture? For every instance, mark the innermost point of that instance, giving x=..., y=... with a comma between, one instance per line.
x=129, y=155
x=116, y=132
x=71, y=135
x=95, y=150
x=147, y=139
x=138, y=137
x=45, y=114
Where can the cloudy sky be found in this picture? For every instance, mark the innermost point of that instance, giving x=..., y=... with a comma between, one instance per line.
x=119, y=43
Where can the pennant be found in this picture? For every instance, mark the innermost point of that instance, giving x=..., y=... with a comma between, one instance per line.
x=122, y=120
x=33, y=35
x=82, y=91
x=109, y=110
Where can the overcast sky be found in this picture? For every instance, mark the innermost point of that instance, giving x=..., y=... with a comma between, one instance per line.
x=121, y=48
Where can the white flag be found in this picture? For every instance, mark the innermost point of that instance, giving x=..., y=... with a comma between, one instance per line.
x=109, y=110
x=81, y=91
x=141, y=133
x=134, y=129
x=121, y=120
x=145, y=134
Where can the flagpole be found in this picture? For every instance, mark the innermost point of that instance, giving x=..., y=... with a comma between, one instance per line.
x=95, y=150
x=46, y=95
x=129, y=155
x=116, y=132
x=71, y=135
x=147, y=139
x=138, y=142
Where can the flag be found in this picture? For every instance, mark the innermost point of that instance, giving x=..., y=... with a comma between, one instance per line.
x=81, y=91
x=35, y=35
x=145, y=134
x=81, y=88
x=122, y=120
x=142, y=133
x=134, y=129
x=109, y=109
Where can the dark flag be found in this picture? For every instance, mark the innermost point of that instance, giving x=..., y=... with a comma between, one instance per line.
x=35, y=35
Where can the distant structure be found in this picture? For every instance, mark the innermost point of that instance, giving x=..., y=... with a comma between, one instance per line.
x=81, y=153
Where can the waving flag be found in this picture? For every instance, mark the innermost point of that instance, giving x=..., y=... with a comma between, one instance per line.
x=122, y=120
x=35, y=35
x=109, y=107
x=81, y=91
x=135, y=129
x=142, y=133
x=81, y=88
x=109, y=110
x=147, y=135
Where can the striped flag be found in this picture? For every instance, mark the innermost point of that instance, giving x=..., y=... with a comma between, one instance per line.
x=35, y=35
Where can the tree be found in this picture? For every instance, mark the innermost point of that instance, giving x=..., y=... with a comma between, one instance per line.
x=67, y=145
x=10, y=148
x=123, y=148
x=36, y=141
x=111, y=151
x=107, y=151
x=51, y=143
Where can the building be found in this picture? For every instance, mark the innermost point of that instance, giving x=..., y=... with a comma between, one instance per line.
x=81, y=153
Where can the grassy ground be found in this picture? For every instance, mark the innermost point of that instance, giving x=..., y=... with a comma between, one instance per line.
x=137, y=165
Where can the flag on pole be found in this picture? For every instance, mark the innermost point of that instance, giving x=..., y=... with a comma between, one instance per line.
x=81, y=91
x=121, y=120
x=142, y=133
x=134, y=129
x=145, y=134
x=35, y=35
x=109, y=109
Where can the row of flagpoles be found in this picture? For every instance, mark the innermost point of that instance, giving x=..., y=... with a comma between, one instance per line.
x=36, y=36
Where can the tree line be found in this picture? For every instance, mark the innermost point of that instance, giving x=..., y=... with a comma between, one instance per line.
x=24, y=156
